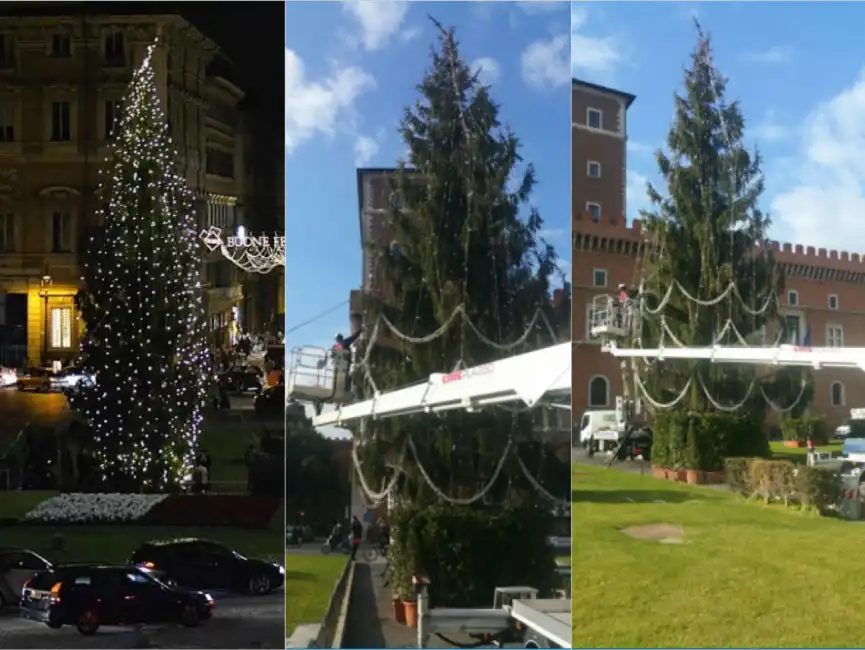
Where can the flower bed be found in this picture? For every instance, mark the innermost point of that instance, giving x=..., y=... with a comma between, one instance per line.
x=79, y=508
x=214, y=510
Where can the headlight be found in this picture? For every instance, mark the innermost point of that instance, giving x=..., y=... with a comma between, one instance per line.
x=280, y=568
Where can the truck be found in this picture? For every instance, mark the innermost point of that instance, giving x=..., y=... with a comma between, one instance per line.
x=620, y=432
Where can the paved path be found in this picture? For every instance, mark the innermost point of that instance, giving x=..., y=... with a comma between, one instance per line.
x=370, y=621
x=238, y=622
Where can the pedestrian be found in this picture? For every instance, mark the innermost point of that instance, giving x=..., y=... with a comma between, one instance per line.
x=356, y=534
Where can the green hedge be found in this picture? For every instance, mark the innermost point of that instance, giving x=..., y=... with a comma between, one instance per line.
x=807, y=427
x=467, y=552
x=816, y=488
x=702, y=441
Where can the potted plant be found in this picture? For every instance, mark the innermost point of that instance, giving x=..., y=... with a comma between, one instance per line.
x=410, y=609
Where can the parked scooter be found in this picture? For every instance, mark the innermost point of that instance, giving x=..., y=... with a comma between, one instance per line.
x=340, y=545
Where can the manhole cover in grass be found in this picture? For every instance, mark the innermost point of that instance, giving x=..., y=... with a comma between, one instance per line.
x=661, y=533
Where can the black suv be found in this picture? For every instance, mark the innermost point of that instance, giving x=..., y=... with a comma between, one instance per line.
x=90, y=595
x=202, y=564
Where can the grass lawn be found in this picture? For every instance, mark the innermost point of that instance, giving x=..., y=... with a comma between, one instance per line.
x=797, y=454
x=309, y=583
x=746, y=575
x=17, y=503
x=116, y=543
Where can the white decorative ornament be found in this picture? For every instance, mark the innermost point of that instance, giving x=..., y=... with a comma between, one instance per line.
x=260, y=254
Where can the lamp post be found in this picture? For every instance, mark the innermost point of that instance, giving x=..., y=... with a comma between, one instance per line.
x=44, y=285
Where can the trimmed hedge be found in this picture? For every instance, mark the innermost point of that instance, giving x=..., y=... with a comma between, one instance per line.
x=467, y=551
x=816, y=488
x=702, y=441
x=807, y=427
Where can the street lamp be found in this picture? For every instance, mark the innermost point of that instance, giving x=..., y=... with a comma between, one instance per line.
x=44, y=285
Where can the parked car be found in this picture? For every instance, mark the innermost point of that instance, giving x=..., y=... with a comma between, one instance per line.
x=91, y=595
x=242, y=379
x=843, y=429
x=202, y=564
x=270, y=403
x=17, y=566
x=70, y=378
x=38, y=379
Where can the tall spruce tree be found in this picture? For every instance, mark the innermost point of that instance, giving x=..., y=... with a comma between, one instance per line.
x=706, y=232
x=142, y=306
x=461, y=236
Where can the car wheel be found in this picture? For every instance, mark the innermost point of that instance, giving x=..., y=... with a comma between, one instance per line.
x=189, y=616
x=88, y=623
x=260, y=584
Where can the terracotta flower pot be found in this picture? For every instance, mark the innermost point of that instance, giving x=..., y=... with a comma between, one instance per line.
x=794, y=443
x=410, y=613
x=659, y=472
x=716, y=478
x=679, y=475
x=398, y=610
x=694, y=477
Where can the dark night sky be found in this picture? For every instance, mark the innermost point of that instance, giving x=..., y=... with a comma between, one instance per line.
x=252, y=35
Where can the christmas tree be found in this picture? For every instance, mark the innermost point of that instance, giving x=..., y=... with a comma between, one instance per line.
x=465, y=234
x=708, y=231
x=142, y=306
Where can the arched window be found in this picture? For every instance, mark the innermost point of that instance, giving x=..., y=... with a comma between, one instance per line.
x=837, y=393
x=599, y=391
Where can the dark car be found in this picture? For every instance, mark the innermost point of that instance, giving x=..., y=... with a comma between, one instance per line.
x=270, y=403
x=202, y=564
x=242, y=379
x=17, y=566
x=91, y=595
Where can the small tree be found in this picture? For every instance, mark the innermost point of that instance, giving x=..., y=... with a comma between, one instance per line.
x=142, y=306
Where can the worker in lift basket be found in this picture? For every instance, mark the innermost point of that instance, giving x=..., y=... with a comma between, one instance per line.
x=341, y=355
x=624, y=305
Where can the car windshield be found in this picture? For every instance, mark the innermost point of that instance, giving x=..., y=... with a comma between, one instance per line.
x=150, y=575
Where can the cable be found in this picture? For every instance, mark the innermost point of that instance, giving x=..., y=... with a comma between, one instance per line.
x=317, y=317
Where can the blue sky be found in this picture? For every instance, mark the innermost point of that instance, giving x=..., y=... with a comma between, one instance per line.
x=797, y=69
x=350, y=69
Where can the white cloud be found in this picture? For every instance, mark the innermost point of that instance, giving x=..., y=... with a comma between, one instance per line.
x=378, y=21
x=365, y=148
x=545, y=63
x=317, y=107
x=769, y=130
x=409, y=34
x=488, y=70
x=634, y=146
x=589, y=54
x=635, y=194
x=534, y=7
x=831, y=177
x=551, y=233
x=775, y=55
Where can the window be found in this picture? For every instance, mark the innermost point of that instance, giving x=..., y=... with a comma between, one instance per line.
x=793, y=328
x=220, y=215
x=220, y=163
x=23, y=561
x=593, y=169
x=837, y=393
x=599, y=391
x=112, y=114
x=7, y=232
x=833, y=301
x=7, y=51
x=61, y=232
x=599, y=278
x=7, y=121
x=61, y=46
x=792, y=297
x=115, y=53
x=834, y=336
x=60, y=122
x=594, y=118
x=594, y=210
x=61, y=328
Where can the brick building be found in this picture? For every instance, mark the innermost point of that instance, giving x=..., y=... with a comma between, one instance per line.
x=823, y=294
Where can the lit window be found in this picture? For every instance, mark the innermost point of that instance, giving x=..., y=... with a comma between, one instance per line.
x=61, y=327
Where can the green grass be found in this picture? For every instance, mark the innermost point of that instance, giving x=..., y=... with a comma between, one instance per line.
x=797, y=454
x=116, y=543
x=17, y=503
x=747, y=575
x=309, y=583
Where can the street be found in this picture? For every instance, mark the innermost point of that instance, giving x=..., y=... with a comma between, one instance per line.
x=18, y=407
x=578, y=455
x=238, y=622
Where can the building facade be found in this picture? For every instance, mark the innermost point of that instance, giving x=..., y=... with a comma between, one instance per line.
x=62, y=82
x=823, y=300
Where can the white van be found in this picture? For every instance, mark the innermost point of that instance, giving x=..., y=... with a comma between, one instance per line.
x=601, y=426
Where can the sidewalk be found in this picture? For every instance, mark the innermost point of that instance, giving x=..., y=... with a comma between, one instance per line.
x=370, y=621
